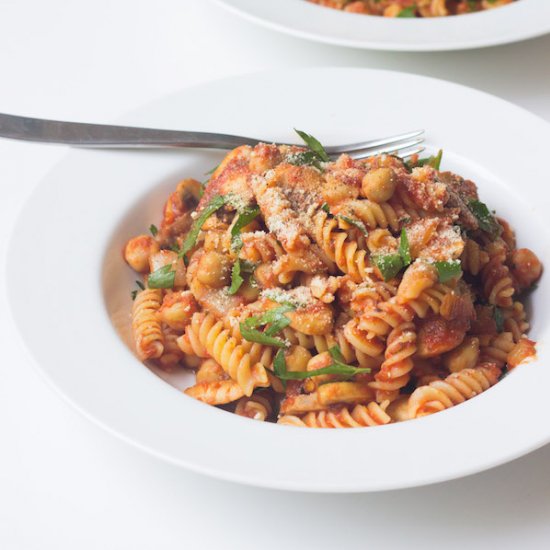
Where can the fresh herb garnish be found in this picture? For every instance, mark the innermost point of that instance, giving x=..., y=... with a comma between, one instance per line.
x=433, y=161
x=325, y=208
x=390, y=265
x=240, y=267
x=277, y=321
x=314, y=145
x=337, y=367
x=212, y=170
x=357, y=223
x=314, y=157
x=153, y=229
x=246, y=215
x=448, y=270
x=404, y=248
x=499, y=318
x=163, y=277
x=215, y=204
x=486, y=220
x=407, y=12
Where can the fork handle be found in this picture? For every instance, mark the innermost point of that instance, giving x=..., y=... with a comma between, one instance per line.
x=82, y=134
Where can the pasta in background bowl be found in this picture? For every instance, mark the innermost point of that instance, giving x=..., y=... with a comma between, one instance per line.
x=67, y=319
x=412, y=8
x=402, y=29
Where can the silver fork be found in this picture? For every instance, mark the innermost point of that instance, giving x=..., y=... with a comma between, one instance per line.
x=81, y=134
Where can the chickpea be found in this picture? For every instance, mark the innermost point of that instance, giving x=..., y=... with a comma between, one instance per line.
x=169, y=257
x=464, y=356
x=214, y=269
x=312, y=320
x=250, y=292
x=526, y=267
x=297, y=358
x=336, y=190
x=379, y=185
x=177, y=309
x=138, y=250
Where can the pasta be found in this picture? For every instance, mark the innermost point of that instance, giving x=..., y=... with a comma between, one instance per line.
x=313, y=293
x=411, y=8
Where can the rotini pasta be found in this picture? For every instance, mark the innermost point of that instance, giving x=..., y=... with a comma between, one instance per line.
x=324, y=294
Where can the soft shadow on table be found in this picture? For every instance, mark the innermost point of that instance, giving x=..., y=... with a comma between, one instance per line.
x=502, y=503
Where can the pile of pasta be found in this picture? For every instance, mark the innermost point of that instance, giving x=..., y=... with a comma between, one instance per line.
x=412, y=8
x=321, y=293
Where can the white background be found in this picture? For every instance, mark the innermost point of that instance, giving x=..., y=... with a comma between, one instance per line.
x=65, y=483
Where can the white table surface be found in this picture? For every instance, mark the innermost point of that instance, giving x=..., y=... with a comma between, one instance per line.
x=64, y=483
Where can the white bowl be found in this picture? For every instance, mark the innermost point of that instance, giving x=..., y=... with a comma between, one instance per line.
x=70, y=290
x=518, y=21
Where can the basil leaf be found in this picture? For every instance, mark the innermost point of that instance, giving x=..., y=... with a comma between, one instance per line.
x=336, y=353
x=389, y=265
x=247, y=215
x=499, y=318
x=236, y=278
x=357, y=223
x=448, y=270
x=239, y=267
x=407, y=12
x=404, y=248
x=314, y=146
x=254, y=335
x=277, y=320
x=486, y=220
x=280, y=370
x=153, y=229
x=433, y=161
x=212, y=170
x=215, y=204
x=163, y=277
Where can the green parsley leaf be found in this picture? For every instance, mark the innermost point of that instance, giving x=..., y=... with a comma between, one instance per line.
x=486, y=220
x=163, y=277
x=448, y=270
x=153, y=229
x=215, y=204
x=314, y=145
x=357, y=223
x=325, y=207
x=133, y=294
x=499, y=318
x=247, y=215
x=277, y=321
x=404, y=248
x=407, y=12
x=280, y=370
x=389, y=265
